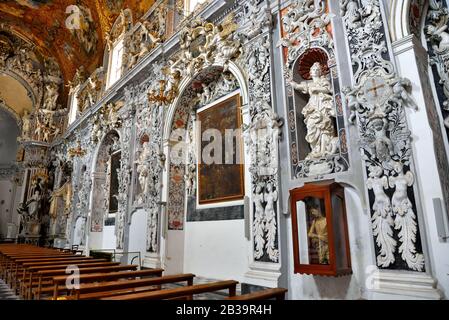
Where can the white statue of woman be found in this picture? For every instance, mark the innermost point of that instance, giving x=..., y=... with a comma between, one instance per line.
x=270, y=197
x=382, y=219
x=318, y=114
x=405, y=219
x=26, y=125
x=259, y=222
x=400, y=201
x=378, y=183
x=142, y=170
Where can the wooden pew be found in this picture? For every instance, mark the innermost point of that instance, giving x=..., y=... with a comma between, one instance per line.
x=179, y=292
x=34, y=279
x=114, y=288
x=58, y=281
x=50, y=274
x=29, y=268
x=8, y=261
x=275, y=293
x=16, y=264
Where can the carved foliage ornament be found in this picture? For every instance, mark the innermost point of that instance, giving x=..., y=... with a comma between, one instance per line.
x=261, y=136
x=202, y=44
x=378, y=101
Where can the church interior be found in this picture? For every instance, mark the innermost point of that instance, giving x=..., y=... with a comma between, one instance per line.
x=224, y=149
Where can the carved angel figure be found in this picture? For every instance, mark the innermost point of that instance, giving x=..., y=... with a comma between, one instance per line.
x=382, y=218
x=439, y=36
x=353, y=104
x=350, y=11
x=51, y=96
x=318, y=114
x=401, y=95
x=381, y=145
x=370, y=11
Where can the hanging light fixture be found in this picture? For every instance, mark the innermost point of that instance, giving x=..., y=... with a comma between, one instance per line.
x=162, y=96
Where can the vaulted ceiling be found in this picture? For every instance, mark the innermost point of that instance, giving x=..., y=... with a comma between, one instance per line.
x=45, y=24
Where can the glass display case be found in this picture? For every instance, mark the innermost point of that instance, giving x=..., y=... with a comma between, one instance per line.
x=320, y=232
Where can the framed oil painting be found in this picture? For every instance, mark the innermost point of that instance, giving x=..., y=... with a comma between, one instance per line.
x=222, y=180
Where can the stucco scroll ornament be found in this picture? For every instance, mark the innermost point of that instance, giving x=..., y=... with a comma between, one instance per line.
x=256, y=18
x=304, y=21
x=153, y=201
x=438, y=36
x=262, y=136
x=365, y=38
x=217, y=44
x=378, y=104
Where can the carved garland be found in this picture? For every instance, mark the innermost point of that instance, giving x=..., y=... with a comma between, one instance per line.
x=261, y=135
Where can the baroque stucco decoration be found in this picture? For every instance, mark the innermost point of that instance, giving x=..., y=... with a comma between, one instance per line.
x=215, y=44
x=149, y=159
x=378, y=101
x=262, y=135
x=307, y=44
x=438, y=38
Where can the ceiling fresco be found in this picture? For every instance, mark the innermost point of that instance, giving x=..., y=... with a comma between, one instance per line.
x=72, y=31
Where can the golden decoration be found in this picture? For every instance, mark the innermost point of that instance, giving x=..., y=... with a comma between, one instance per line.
x=76, y=152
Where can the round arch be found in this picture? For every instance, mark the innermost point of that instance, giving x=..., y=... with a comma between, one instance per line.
x=231, y=67
x=399, y=18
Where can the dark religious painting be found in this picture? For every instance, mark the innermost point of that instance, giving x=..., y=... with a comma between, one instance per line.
x=221, y=180
x=113, y=191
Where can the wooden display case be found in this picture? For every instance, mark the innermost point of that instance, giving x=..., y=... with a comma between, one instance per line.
x=320, y=231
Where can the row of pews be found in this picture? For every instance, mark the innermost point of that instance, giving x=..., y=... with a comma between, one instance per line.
x=36, y=273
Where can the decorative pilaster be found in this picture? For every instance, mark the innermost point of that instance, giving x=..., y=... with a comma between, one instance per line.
x=262, y=134
x=378, y=102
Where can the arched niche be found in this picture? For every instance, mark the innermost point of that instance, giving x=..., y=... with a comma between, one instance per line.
x=210, y=88
x=188, y=222
x=316, y=124
x=104, y=204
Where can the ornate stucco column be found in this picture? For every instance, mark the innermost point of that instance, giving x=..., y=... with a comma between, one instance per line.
x=380, y=101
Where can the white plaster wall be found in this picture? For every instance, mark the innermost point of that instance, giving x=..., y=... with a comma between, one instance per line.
x=102, y=240
x=174, y=258
x=216, y=249
x=137, y=232
x=108, y=237
x=95, y=240
x=427, y=172
x=346, y=287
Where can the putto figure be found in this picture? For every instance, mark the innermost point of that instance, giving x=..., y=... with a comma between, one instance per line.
x=319, y=114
